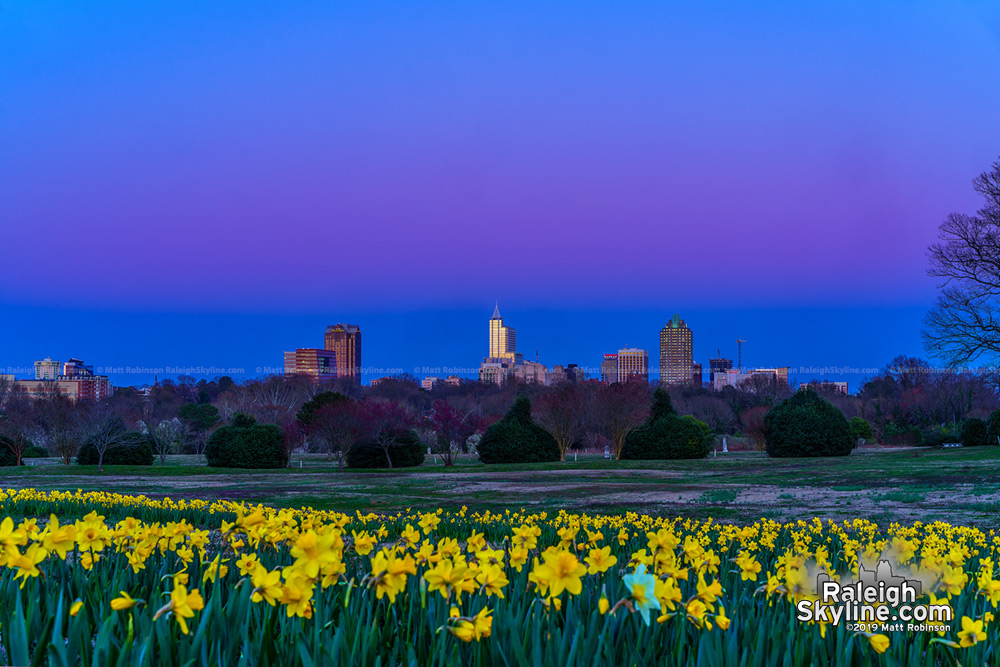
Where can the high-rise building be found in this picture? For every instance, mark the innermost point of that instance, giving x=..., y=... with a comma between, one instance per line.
x=503, y=358
x=47, y=369
x=317, y=365
x=503, y=339
x=719, y=366
x=676, y=352
x=696, y=375
x=345, y=341
x=633, y=365
x=609, y=368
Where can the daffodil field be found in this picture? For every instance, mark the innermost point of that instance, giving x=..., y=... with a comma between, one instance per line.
x=106, y=579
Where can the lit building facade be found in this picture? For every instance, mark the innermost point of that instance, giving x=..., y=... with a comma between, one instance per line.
x=47, y=369
x=344, y=340
x=531, y=372
x=503, y=339
x=76, y=368
x=609, y=368
x=503, y=358
x=696, y=375
x=430, y=382
x=495, y=371
x=633, y=365
x=315, y=364
x=734, y=378
x=676, y=352
x=75, y=380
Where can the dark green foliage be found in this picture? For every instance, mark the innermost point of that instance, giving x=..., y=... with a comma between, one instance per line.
x=993, y=428
x=246, y=444
x=662, y=405
x=937, y=436
x=807, y=425
x=307, y=415
x=201, y=416
x=7, y=457
x=34, y=452
x=669, y=437
x=407, y=452
x=973, y=432
x=860, y=429
x=517, y=438
x=134, y=449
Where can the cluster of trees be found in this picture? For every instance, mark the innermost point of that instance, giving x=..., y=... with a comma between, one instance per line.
x=97, y=432
x=260, y=422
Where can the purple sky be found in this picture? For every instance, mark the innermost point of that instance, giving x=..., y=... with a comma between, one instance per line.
x=369, y=156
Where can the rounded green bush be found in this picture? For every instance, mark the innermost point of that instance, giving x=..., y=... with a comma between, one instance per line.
x=34, y=452
x=669, y=437
x=406, y=453
x=246, y=444
x=517, y=438
x=974, y=433
x=861, y=429
x=807, y=425
x=135, y=449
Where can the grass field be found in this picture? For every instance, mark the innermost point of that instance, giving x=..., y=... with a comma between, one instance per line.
x=906, y=485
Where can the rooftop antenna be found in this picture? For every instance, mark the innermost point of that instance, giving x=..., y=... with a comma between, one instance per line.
x=536, y=355
x=739, y=352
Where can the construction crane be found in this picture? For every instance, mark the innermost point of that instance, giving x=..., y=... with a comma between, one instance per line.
x=739, y=353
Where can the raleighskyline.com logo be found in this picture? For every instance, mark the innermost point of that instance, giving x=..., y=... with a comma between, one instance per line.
x=877, y=601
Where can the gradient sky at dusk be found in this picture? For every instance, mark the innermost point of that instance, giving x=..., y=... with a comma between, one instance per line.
x=210, y=183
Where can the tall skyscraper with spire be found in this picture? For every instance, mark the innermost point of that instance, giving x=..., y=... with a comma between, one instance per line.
x=503, y=356
x=503, y=339
x=676, y=352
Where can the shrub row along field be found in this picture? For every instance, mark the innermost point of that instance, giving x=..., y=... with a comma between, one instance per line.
x=225, y=583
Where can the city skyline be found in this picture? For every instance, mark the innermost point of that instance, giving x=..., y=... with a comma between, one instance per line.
x=762, y=354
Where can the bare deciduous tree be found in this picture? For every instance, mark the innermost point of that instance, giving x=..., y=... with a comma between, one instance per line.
x=168, y=436
x=563, y=413
x=58, y=416
x=619, y=409
x=102, y=428
x=386, y=423
x=18, y=421
x=964, y=325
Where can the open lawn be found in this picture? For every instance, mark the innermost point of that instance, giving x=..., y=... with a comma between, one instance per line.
x=958, y=485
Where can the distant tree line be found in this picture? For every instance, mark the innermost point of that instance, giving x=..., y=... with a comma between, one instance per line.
x=396, y=422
